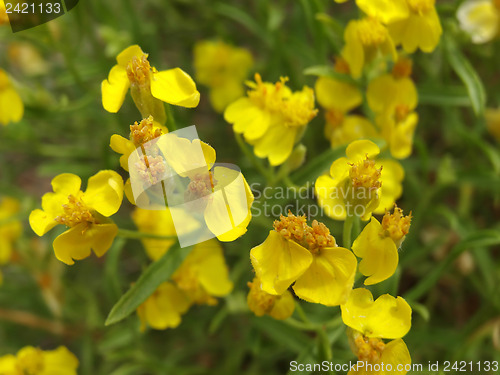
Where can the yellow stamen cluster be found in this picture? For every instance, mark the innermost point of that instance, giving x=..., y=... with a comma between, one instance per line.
x=297, y=109
x=364, y=174
x=144, y=131
x=496, y=3
x=152, y=169
x=138, y=70
x=334, y=117
x=259, y=302
x=341, y=65
x=368, y=349
x=402, y=112
x=396, y=225
x=188, y=282
x=371, y=32
x=421, y=6
x=295, y=228
x=75, y=212
x=30, y=361
x=201, y=185
x=403, y=68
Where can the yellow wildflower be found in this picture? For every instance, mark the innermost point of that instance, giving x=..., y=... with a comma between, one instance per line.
x=338, y=98
x=220, y=193
x=163, y=309
x=371, y=321
x=480, y=19
x=11, y=105
x=10, y=227
x=358, y=184
x=493, y=122
x=85, y=213
x=34, y=361
x=4, y=19
x=366, y=39
x=378, y=245
x=421, y=29
x=383, y=10
x=204, y=274
x=27, y=57
x=261, y=303
x=223, y=69
x=393, y=100
x=272, y=117
x=307, y=255
x=149, y=87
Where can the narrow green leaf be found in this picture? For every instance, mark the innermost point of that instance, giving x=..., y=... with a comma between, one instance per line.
x=467, y=74
x=446, y=96
x=293, y=339
x=157, y=273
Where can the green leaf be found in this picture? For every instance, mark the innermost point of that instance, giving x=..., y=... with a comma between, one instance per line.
x=467, y=74
x=293, y=339
x=157, y=273
x=445, y=96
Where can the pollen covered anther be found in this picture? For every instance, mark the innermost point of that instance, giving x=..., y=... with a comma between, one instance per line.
x=139, y=70
x=371, y=32
x=368, y=349
x=364, y=174
x=144, y=131
x=75, y=212
x=396, y=225
x=403, y=68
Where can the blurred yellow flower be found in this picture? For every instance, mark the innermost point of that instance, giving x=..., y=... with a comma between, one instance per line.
x=11, y=105
x=149, y=87
x=393, y=100
x=338, y=98
x=383, y=10
x=480, y=19
x=222, y=68
x=27, y=57
x=378, y=245
x=370, y=322
x=4, y=19
x=309, y=256
x=85, y=213
x=421, y=29
x=366, y=39
x=204, y=274
x=358, y=184
x=34, y=361
x=163, y=309
x=272, y=117
x=276, y=306
x=10, y=227
x=493, y=122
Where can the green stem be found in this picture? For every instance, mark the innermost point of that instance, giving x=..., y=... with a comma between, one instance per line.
x=346, y=238
x=171, y=124
x=301, y=313
x=133, y=234
x=249, y=154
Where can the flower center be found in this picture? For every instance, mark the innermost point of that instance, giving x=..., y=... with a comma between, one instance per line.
x=151, y=169
x=144, y=131
x=334, y=117
x=201, y=185
x=341, y=65
x=402, y=111
x=496, y=3
x=30, y=361
x=371, y=32
x=403, y=68
x=138, y=70
x=368, y=349
x=188, y=281
x=259, y=301
x=396, y=225
x=75, y=212
x=295, y=228
x=364, y=174
x=421, y=6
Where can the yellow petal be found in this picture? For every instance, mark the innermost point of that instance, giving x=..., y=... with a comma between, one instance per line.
x=283, y=307
x=41, y=222
x=330, y=197
x=276, y=144
x=8, y=363
x=114, y=89
x=396, y=353
x=66, y=184
x=222, y=96
x=386, y=317
x=279, y=262
x=387, y=11
x=401, y=142
x=176, y=87
x=122, y=146
x=128, y=54
x=353, y=51
x=247, y=118
x=382, y=93
x=59, y=361
x=391, y=177
x=77, y=242
x=329, y=279
x=335, y=94
x=379, y=254
x=104, y=192
x=359, y=150
x=11, y=106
